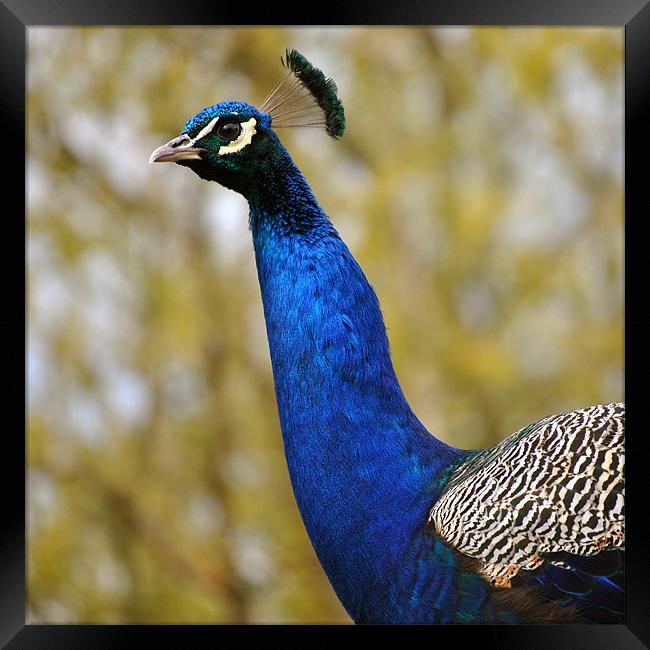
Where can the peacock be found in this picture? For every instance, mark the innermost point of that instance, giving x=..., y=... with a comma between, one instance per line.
x=407, y=528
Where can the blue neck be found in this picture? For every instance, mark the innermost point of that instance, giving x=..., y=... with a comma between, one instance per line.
x=363, y=468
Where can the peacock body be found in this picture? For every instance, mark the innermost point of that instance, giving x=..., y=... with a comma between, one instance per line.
x=407, y=528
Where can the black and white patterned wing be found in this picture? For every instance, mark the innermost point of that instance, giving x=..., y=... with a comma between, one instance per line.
x=554, y=487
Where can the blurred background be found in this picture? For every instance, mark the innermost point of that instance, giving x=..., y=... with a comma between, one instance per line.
x=479, y=184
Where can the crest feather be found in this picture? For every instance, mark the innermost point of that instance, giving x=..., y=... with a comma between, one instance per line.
x=305, y=97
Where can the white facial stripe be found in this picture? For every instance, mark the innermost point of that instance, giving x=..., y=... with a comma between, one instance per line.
x=244, y=139
x=206, y=129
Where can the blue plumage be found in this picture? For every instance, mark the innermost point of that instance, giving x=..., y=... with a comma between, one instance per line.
x=348, y=431
x=364, y=470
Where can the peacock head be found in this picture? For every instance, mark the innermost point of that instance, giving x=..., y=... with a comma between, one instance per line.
x=235, y=144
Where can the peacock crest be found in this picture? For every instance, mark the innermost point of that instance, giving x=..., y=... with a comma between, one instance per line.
x=305, y=97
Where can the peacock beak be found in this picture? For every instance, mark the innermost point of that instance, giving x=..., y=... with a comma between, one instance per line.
x=179, y=148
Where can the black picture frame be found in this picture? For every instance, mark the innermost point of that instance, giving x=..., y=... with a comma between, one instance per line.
x=16, y=16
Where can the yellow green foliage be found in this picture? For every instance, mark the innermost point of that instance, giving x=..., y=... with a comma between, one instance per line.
x=478, y=184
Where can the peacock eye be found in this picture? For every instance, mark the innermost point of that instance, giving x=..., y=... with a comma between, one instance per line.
x=229, y=130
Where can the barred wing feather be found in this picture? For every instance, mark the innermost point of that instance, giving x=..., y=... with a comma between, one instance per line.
x=554, y=489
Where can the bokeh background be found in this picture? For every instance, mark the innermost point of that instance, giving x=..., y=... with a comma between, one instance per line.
x=479, y=184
